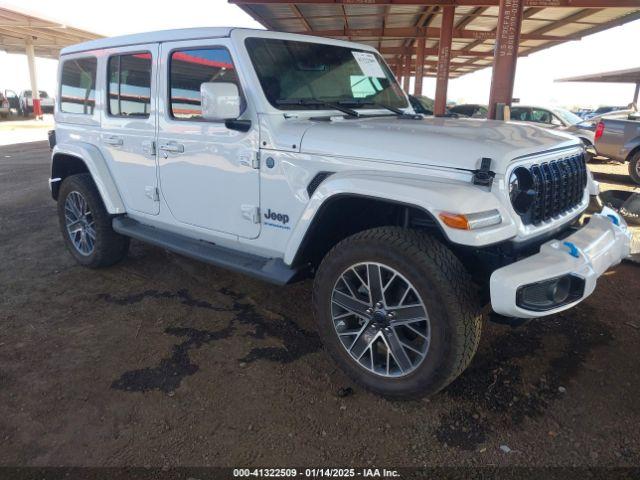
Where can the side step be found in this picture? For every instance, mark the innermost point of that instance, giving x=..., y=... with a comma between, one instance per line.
x=271, y=270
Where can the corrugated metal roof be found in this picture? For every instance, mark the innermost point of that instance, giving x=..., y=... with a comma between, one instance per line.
x=48, y=37
x=376, y=23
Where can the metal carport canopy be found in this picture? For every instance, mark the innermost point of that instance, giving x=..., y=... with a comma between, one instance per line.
x=34, y=36
x=447, y=38
x=630, y=75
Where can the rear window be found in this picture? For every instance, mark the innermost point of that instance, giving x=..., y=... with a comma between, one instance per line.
x=78, y=85
x=130, y=85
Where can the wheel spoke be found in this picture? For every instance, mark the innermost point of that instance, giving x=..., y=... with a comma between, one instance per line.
x=397, y=351
x=362, y=342
x=375, y=283
x=409, y=314
x=350, y=304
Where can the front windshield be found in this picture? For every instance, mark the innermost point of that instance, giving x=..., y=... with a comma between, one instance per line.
x=293, y=74
x=568, y=117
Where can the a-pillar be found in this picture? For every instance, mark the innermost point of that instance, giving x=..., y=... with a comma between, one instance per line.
x=505, y=55
x=35, y=93
x=636, y=94
x=444, y=60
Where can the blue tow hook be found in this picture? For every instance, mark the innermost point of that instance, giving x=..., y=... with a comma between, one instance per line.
x=573, y=250
x=614, y=219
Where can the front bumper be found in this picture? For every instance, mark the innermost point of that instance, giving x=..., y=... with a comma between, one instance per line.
x=585, y=255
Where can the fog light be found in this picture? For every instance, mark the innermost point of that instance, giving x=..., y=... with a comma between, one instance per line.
x=550, y=294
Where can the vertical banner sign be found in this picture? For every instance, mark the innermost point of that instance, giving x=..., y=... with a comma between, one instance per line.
x=506, y=53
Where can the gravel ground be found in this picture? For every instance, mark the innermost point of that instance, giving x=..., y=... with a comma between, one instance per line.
x=163, y=361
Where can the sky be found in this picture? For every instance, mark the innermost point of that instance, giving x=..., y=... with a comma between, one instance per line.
x=614, y=49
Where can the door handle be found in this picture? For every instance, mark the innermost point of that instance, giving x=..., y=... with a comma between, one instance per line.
x=116, y=141
x=172, y=147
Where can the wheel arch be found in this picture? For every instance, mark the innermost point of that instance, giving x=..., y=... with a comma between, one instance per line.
x=337, y=218
x=72, y=159
x=348, y=202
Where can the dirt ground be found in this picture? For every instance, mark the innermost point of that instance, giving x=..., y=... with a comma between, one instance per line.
x=164, y=361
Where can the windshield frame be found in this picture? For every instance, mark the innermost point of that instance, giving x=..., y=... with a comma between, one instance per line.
x=403, y=102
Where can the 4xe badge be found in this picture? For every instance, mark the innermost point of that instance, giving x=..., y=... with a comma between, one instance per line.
x=281, y=218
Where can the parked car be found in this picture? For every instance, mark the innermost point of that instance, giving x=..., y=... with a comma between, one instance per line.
x=285, y=156
x=5, y=108
x=619, y=140
x=582, y=112
x=554, y=117
x=8, y=102
x=603, y=110
x=26, y=102
x=470, y=110
x=421, y=104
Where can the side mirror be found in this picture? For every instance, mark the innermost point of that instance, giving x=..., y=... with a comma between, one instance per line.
x=220, y=101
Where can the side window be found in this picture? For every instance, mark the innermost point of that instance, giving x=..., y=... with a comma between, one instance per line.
x=556, y=121
x=520, y=114
x=129, y=86
x=540, y=116
x=78, y=85
x=188, y=69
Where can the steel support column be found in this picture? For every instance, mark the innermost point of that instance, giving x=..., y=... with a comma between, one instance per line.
x=420, y=44
x=506, y=54
x=35, y=93
x=444, y=60
x=406, y=72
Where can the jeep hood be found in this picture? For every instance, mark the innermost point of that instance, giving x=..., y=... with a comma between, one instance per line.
x=446, y=142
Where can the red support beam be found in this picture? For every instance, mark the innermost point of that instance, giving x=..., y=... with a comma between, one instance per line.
x=506, y=53
x=432, y=52
x=417, y=88
x=453, y=3
x=418, y=32
x=406, y=72
x=444, y=60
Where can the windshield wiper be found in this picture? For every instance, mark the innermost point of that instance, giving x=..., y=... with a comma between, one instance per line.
x=400, y=113
x=318, y=103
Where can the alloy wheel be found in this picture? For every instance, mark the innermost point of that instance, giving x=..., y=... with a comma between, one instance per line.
x=80, y=223
x=380, y=319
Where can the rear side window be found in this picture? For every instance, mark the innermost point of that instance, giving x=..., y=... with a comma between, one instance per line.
x=78, y=85
x=129, y=87
x=191, y=68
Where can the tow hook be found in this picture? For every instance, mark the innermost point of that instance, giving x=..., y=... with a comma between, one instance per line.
x=484, y=176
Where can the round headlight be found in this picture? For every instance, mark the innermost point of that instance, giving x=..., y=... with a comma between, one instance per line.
x=521, y=190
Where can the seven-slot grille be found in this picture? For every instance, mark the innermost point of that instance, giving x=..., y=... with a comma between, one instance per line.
x=560, y=187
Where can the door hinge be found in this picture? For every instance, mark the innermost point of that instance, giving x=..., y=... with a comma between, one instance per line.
x=249, y=160
x=152, y=192
x=251, y=213
x=149, y=147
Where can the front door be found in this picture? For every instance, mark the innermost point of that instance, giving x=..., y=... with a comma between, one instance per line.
x=129, y=125
x=208, y=172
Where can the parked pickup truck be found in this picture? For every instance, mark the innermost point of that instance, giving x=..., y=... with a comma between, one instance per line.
x=619, y=140
x=289, y=156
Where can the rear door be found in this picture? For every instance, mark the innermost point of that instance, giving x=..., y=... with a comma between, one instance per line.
x=129, y=124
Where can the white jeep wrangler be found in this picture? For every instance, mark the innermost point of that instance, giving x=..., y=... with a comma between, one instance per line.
x=284, y=156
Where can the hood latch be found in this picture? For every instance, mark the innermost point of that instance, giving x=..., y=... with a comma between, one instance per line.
x=484, y=175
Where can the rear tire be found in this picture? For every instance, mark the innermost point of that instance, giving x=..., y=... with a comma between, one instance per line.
x=442, y=287
x=85, y=224
x=634, y=167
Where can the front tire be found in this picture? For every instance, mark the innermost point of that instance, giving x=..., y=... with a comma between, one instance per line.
x=85, y=224
x=397, y=311
x=634, y=167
